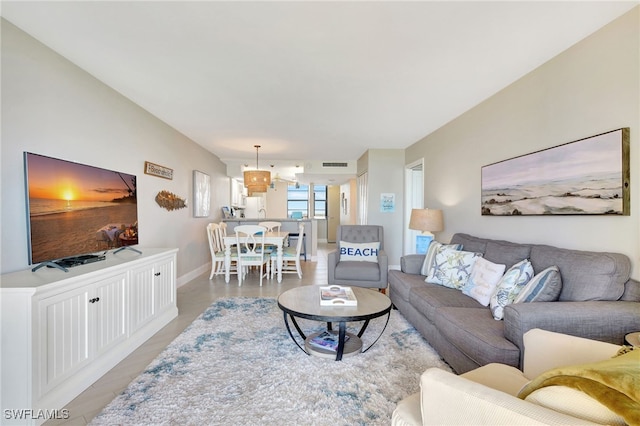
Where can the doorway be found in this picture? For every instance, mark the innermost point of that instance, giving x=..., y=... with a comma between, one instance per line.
x=414, y=199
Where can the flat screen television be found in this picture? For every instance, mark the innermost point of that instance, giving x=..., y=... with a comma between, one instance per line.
x=75, y=210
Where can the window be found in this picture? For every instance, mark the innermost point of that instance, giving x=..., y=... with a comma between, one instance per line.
x=298, y=199
x=320, y=200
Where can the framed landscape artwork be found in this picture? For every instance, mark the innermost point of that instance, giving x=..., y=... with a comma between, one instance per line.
x=201, y=194
x=586, y=177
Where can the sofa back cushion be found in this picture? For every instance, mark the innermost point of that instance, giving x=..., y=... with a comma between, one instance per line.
x=496, y=251
x=585, y=275
x=470, y=243
x=506, y=253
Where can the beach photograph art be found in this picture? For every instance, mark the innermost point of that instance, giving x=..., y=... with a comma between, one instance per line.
x=77, y=209
x=585, y=177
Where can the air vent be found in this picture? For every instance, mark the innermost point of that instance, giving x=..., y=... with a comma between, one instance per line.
x=334, y=165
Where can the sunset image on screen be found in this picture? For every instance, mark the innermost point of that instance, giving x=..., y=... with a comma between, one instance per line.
x=76, y=209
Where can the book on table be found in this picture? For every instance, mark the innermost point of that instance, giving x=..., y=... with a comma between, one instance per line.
x=327, y=340
x=335, y=295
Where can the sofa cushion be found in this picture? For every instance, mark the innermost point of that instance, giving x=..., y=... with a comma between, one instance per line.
x=476, y=334
x=400, y=284
x=585, y=275
x=427, y=298
x=451, y=268
x=511, y=283
x=543, y=287
x=357, y=271
x=483, y=281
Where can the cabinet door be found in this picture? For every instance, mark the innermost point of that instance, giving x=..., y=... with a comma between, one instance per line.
x=141, y=297
x=165, y=284
x=107, y=305
x=64, y=336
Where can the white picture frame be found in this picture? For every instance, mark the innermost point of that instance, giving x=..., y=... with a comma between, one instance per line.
x=201, y=194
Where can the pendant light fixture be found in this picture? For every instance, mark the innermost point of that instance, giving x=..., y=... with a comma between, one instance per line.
x=257, y=180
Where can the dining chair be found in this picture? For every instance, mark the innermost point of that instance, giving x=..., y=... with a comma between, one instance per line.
x=272, y=226
x=250, y=243
x=290, y=257
x=216, y=248
x=217, y=262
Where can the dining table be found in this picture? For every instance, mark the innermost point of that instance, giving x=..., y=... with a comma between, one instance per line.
x=277, y=239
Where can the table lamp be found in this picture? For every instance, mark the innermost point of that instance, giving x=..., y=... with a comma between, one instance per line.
x=427, y=221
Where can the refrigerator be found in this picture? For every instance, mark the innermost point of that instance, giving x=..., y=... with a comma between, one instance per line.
x=255, y=207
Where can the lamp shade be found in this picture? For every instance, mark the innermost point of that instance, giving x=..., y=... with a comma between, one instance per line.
x=429, y=220
x=257, y=180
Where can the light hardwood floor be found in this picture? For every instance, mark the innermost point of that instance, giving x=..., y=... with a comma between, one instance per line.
x=193, y=298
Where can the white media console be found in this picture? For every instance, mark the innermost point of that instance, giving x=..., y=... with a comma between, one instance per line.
x=61, y=331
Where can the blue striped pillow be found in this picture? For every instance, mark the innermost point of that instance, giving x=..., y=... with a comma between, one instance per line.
x=543, y=287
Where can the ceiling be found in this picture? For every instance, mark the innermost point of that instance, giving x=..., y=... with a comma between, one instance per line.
x=308, y=81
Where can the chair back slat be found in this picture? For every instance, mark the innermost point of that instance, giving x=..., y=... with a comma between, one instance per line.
x=271, y=226
x=250, y=240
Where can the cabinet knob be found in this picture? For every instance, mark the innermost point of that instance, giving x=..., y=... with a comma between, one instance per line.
x=94, y=300
x=157, y=274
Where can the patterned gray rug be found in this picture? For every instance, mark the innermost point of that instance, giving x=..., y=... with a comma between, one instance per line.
x=237, y=365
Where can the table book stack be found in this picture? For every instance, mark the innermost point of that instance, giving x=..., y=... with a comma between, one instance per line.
x=336, y=295
x=327, y=340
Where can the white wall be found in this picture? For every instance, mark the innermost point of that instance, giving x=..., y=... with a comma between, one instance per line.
x=52, y=107
x=385, y=169
x=589, y=89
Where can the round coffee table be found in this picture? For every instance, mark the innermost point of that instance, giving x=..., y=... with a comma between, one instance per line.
x=304, y=302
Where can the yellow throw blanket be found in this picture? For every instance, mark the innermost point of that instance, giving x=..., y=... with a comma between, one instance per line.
x=615, y=383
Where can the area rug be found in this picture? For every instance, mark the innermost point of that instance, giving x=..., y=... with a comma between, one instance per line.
x=237, y=365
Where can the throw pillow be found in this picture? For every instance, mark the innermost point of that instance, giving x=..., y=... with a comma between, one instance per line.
x=511, y=283
x=431, y=255
x=543, y=287
x=359, y=252
x=483, y=281
x=451, y=268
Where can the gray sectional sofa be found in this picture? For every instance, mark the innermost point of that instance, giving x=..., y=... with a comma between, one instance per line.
x=598, y=301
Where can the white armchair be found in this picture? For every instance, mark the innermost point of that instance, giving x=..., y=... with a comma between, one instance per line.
x=487, y=395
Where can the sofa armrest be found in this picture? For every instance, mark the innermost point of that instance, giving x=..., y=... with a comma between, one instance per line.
x=443, y=394
x=607, y=321
x=412, y=263
x=545, y=350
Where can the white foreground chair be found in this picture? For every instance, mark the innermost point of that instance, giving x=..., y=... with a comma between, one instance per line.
x=250, y=242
